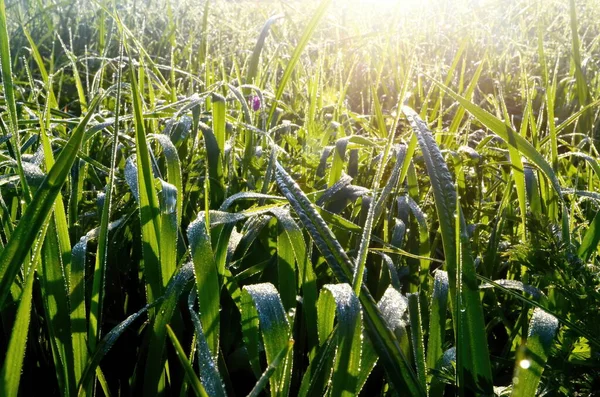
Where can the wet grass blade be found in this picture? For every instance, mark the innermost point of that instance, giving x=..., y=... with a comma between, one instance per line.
x=175, y=287
x=346, y=365
x=531, y=362
x=469, y=325
x=416, y=329
x=209, y=375
x=262, y=307
x=255, y=58
x=207, y=281
x=156, y=347
x=386, y=345
x=148, y=200
x=97, y=297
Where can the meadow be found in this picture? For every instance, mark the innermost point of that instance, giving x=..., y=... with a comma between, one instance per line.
x=299, y=198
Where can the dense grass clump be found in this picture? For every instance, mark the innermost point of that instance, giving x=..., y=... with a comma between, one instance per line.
x=299, y=198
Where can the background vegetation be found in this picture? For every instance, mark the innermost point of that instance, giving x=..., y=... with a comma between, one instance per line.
x=299, y=198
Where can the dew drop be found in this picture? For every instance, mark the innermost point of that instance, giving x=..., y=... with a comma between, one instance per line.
x=525, y=364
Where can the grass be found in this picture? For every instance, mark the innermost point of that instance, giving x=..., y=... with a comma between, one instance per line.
x=305, y=199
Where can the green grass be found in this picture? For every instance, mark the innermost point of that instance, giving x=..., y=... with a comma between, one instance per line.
x=299, y=198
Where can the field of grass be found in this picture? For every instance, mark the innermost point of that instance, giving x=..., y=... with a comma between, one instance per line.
x=301, y=198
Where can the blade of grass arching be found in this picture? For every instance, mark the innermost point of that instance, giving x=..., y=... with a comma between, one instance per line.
x=416, y=329
x=271, y=368
x=38, y=211
x=207, y=281
x=170, y=214
x=437, y=329
x=508, y=134
x=169, y=229
x=10, y=375
x=98, y=277
x=472, y=350
x=530, y=362
x=346, y=365
x=287, y=73
x=255, y=57
x=209, y=375
x=307, y=279
x=155, y=362
x=262, y=307
x=590, y=241
x=169, y=299
x=14, y=143
x=148, y=200
x=384, y=341
x=191, y=376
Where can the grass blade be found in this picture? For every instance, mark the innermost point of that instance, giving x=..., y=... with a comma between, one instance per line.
x=207, y=281
x=469, y=325
x=530, y=364
x=346, y=364
x=261, y=306
x=382, y=337
x=187, y=366
x=39, y=209
x=511, y=137
x=287, y=73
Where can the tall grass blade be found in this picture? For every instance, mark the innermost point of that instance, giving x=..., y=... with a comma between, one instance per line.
x=287, y=73
x=469, y=326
